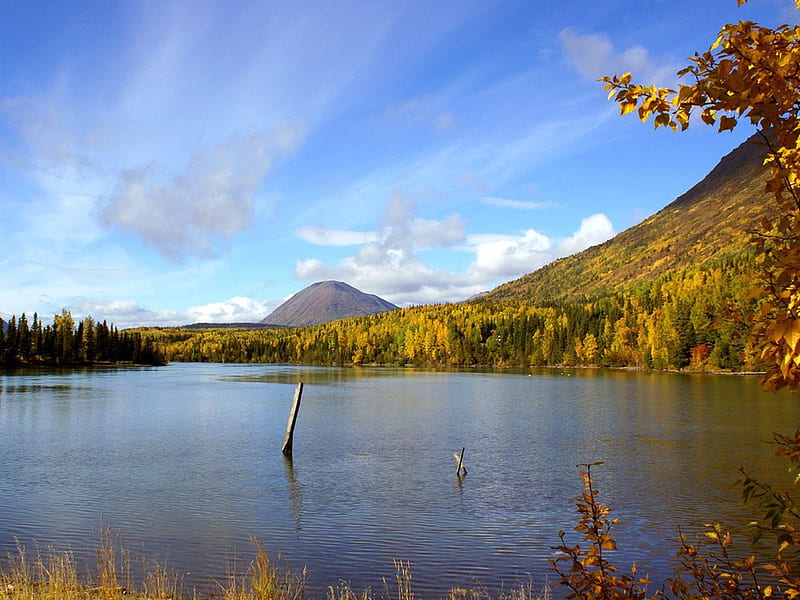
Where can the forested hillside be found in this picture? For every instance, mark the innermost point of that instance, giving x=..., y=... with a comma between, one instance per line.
x=712, y=221
x=696, y=318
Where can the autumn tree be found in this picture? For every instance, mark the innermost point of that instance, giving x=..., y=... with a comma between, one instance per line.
x=750, y=74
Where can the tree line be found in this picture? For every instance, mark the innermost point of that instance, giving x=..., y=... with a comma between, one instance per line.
x=63, y=343
x=699, y=318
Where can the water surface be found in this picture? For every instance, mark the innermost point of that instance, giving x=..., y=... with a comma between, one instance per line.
x=184, y=461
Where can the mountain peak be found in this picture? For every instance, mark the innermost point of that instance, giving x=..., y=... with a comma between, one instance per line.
x=325, y=301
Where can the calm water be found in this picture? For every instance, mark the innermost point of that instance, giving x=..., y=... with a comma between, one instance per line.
x=184, y=461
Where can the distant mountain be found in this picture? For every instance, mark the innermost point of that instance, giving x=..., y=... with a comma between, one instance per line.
x=241, y=325
x=477, y=296
x=326, y=301
x=710, y=222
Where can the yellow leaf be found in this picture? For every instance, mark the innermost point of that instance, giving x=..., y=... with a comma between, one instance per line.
x=709, y=116
x=785, y=365
x=792, y=334
x=627, y=107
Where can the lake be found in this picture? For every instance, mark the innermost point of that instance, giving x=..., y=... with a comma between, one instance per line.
x=184, y=463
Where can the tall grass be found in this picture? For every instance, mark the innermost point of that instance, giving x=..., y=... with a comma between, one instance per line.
x=264, y=580
x=52, y=575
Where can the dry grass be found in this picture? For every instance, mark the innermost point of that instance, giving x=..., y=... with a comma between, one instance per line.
x=264, y=581
x=521, y=592
x=54, y=575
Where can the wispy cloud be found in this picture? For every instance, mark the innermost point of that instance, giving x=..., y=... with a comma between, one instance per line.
x=594, y=56
x=213, y=195
x=516, y=204
x=320, y=236
x=427, y=110
x=44, y=141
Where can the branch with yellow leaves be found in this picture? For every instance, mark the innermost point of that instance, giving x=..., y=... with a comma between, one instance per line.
x=750, y=73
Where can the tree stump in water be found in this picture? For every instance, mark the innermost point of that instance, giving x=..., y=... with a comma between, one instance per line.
x=288, y=438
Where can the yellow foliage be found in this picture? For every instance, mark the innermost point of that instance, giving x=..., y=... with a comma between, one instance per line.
x=748, y=74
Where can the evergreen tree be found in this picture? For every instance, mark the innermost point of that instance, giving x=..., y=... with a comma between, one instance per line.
x=23, y=339
x=11, y=342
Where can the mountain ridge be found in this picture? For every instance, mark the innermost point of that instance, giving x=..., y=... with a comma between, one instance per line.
x=709, y=222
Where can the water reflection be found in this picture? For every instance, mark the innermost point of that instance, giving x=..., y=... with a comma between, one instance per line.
x=186, y=462
x=295, y=494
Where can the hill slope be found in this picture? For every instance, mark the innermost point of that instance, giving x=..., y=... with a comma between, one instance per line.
x=326, y=301
x=710, y=222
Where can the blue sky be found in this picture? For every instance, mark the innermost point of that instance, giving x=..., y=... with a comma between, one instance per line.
x=171, y=162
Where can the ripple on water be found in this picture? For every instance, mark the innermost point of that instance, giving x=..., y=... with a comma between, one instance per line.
x=184, y=463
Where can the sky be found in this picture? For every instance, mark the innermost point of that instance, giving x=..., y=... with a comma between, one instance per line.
x=172, y=162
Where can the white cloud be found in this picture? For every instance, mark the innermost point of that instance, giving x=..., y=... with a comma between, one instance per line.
x=128, y=313
x=391, y=267
x=334, y=237
x=511, y=257
x=393, y=275
x=389, y=264
x=121, y=313
x=593, y=55
x=594, y=230
x=401, y=228
x=235, y=310
x=182, y=212
x=438, y=234
x=516, y=204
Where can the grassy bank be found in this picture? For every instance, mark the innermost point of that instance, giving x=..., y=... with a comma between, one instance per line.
x=52, y=575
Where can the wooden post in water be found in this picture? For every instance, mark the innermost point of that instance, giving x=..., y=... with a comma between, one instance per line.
x=460, y=468
x=287, y=439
